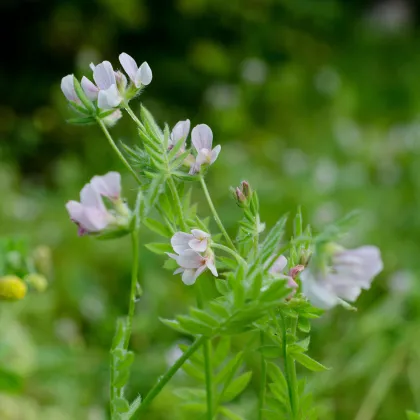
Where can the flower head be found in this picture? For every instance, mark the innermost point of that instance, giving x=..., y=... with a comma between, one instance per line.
x=193, y=254
x=90, y=214
x=179, y=132
x=108, y=95
x=350, y=271
x=202, y=139
x=140, y=76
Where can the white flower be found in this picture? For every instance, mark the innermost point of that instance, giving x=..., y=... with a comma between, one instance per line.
x=90, y=214
x=67, y=87
x=197, y=240
x=179, y=132
x=188, y=247
x=277, y=270
x=108, y=185
x=202, y=139
x=350, y=271
x=138, y=75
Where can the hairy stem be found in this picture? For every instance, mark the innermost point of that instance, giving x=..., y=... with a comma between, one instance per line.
x=117, y=151
x=135, y=288
x=231, y=252
x=290, y=369
x=163, y=380
x=215, y=215
x=261, y=402
x=177, y=201
x=132, y=115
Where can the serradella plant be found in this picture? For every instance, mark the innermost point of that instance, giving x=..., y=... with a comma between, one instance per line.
x=265, y=286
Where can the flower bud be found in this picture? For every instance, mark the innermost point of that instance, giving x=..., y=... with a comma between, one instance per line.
x=246, y=189
x=37, y=281
x=294, y=271
x=240, y=195
x=12, y=288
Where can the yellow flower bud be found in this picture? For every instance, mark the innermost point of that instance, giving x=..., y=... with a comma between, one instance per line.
x=37, y=281
x=12, y=288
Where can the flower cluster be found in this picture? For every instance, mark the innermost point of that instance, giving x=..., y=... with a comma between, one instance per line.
x=90, y=214
x=110, y=88
x=193, y=254
x=201, y=139
x=349, y=271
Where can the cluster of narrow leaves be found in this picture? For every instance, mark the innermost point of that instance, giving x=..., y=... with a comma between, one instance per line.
x=229, y=380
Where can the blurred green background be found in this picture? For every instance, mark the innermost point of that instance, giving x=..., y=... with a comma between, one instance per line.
x=314, y=102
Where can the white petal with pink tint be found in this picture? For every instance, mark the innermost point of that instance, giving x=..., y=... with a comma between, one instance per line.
x=179, y=241
x=190, y=259
x=67, y=87
x=202, y=137
x=109, y=98
x=90, y=89
x=104, y=75
x=144, y=75
x=180, y=131
x=129, y=65
x=108, y=185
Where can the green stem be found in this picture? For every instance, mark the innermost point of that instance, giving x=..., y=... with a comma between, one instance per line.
x=178, y=205
x=290, y=369
x=117, y=151
x=231, y=252
x=132, y=115
x=169, y=374
x=263, y=381
x=215, y=215
x=207, y=353
x=135, y=287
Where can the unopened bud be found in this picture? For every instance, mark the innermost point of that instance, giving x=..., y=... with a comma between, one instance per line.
x=12, y=288
x=240, y=195
x=246, y=189
x=294, y=271
x=37, y=281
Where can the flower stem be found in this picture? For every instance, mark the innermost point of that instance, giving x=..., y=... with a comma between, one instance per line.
x=132, y=115
x=135, y=286
x=231, y=252
x=178, y=205
x=207, y=353
x=117, y=151
x=163, y=380
x=263, y=385
x=290, y=368
x=215, y=215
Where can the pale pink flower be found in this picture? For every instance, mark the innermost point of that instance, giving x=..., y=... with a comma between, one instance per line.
x=67, y=87
x=202, y=139
x=140, y=76
x=192, y=264
x=108, y=185
x=179, y=132
x=90, y=215
x=197, y=240
x=277, y=270
x=351, y=270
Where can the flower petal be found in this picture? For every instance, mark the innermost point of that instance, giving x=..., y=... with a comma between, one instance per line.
x=203, y=157
x=109, y=98
x=104, y=75
x=89, y=197
x=90, y=89
x=199, y=245
x=215, y=153
x=75, y=210
x=67, y=87
x=144, y=75
x=279, y=265
x=189, y=277
x=180, y=131
x=212, y=267
x=200, y=234
x=202, y=137
x=108, y=185
x=129, y=65
x=179, y=241
x=190, y=259
x=319, y=295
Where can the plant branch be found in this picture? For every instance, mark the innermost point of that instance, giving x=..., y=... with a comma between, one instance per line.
x=178, y=205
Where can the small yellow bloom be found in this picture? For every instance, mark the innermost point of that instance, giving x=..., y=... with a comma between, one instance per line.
x=12, y=288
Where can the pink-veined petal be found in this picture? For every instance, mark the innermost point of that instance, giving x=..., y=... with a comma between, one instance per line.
x=94, y=219
x=90, y=89
x=108, y=185
x=104, y=75
x=202, y=137
x=75, y=210
x=179, y=241
x=180, y=131
x=200, y=234
x=129, y=65
x=279, y=265
x=215, y=153
x=143, y=76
